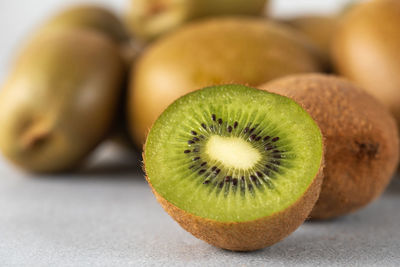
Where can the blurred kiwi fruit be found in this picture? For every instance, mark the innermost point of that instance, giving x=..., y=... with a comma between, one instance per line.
x=366, y=50
x=319, y=29
x=148, y=19
x=237, y=167
x=361, y=140
x=60, y=99
x=89, y=17
x=211, y=52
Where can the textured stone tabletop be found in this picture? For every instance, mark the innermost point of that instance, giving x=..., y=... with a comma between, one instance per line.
x=106, y=216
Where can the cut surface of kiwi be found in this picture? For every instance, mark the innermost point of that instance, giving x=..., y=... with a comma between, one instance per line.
x=233, y=154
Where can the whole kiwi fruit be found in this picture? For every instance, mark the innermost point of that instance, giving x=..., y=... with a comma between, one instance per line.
x=89, y=17
x=215, y=51
x=59, y=100
x=237, y=167
x=148, y=19
x=366, y=50
x=361, y=140
x=319, y=29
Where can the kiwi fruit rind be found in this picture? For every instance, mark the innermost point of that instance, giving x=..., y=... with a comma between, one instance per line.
x=89, y=17
x=59, y=100
x=149, y=19
x=239, y=168
x=361, y=140
x=366, y=50
x=215, y=51
x=320, y=29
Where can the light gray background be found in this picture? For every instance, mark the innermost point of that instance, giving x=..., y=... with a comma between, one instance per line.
x=106, y=215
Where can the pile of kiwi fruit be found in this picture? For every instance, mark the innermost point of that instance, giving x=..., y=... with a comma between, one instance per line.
x=248, y=125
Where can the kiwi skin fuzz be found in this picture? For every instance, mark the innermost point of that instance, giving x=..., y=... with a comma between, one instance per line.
x=211, y=52
x=361, y=140
x=251, y=235
x=89, y=17
x=319, y=29
x=150, y=19
x=366, y=50
x=59, y=100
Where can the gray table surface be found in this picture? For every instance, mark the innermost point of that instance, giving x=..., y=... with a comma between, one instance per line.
x=105, y=215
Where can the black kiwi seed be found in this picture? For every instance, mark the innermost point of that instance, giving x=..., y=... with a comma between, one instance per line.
x=259, y=174
x=275, y=139
x=253, y=178
x=190, y=142
x=221, y=184
x=252, y=130
x=202, y=171
x=229, y=128
x=234, y=181
x=196, y=158
x=246, y=130
x=196, y=139
x=213, y=168
x=186, y=151
x=193, y=133
x=258, y=138
x=228, y=179
x=253, y=136
x=266, y=138
x=206, y=182
x=213, y=117
x=204, y=126
x=204, y=163
x=235, y=125
x=217, y=171
x=268, y=147
x=220, y=121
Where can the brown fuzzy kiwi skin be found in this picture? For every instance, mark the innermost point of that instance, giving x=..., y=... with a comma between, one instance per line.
x=246, y=236
x=361, y=140
x=319, y=29
x=211, y=52
x=366, y=50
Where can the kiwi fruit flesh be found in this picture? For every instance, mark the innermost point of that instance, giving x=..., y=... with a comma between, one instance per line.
x=319, y=29
x=215, y=51
x=366, y=50
x=239, y=168
x=361, y=140
x=59, y=100
x=89, y=17
x=149, y=19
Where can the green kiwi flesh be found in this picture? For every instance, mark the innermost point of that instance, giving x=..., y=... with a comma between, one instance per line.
x=233, y=154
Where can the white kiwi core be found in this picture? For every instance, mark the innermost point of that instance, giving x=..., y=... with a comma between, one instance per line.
x=232, y=152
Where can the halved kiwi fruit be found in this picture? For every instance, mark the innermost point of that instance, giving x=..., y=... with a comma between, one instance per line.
x=360, y=136
x=238, y=167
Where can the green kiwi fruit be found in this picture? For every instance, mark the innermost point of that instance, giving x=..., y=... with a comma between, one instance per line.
x=319, y=29
x=215, y=51
x=148, y=19
x=366, y=50
x=59, y=100
x=237, y=167
x=361, y=140
x=90, y=17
